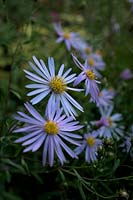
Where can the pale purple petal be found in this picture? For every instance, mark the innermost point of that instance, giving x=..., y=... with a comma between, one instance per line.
x=38, y=143
x=51, y=151
x=39, y=97
x=61, y=70
x=34, y=112
x=60, y=39
x=51, y=66
x=34, y=92
x=45, y=150
x=22, y=139
x=32, y=139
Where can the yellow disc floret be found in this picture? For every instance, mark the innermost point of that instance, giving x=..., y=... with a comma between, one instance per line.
x=100, y=94
x=57, y=85
x=90, y=74
x=51, y=127
x=90, y=141
x=91, y=62
x=110, y=121
x=66, y=35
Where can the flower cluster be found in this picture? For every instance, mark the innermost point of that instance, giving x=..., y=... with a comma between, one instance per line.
x=127, y=144
x=90, y=70
x=54, y=130
x=108, y=126
x=58, y=123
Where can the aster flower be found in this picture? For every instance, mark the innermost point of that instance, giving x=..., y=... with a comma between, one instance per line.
x=126, y=74
x=105, y=97
x=70, y=38
x=127, y=144
x=50, y=131
x=46, y=82
x=95, y=60
x=90, y=144
x=107, y=124
x=84, y=48
x=90, y=78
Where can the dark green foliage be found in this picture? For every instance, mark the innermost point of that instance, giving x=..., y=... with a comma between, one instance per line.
x=26, y=30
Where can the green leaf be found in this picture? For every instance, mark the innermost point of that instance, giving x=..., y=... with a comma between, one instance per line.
x=11, y=163
x=116, y=164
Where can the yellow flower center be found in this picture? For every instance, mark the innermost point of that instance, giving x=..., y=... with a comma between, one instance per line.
x=57, y=85
x=110, y=121
x=87, y=50
x=51, y=128
x=91, y=62
x=90, y=141
x=90, y=74
x=100, y=94
x=66, y=35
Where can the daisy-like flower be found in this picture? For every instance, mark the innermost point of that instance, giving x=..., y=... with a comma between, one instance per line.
x=105, y=97
x=50, y=131
x=84, y=48
x=70, y=38
x=46, y=82
x=90, y=78
x=107, y=124
x=127, y=144
x=95, y=60
x=90, y=144
x=126, y=74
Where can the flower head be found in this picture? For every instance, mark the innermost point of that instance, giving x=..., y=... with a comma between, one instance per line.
x=50, y=131
x=105, y=97
x=70, y=38
x=126, y=74
x=47, y=82
x=127, y=144
x=89, y=75
x=107, y=124
x=95, y=60
x=84, y=48
x=90, y=144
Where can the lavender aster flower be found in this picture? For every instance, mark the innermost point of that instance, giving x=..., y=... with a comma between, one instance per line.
x=105, y=97
x=95, y=60
x=50, y=131
x=70, y=38
x=89, y=76
x=90, y=144
x=126, y=74
x=49, y=83
x=84, y=48
x=127, y=144
x=107, y=124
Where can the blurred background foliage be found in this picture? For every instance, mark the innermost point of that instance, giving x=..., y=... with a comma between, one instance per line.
x=26, y=29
